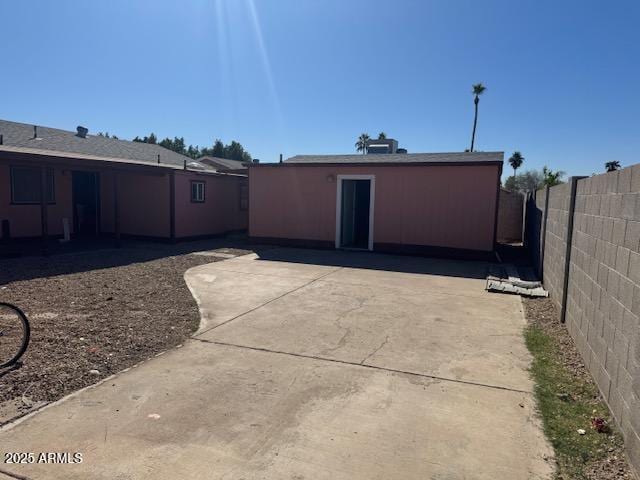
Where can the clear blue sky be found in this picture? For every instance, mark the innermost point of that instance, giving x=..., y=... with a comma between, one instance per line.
x=308, y=76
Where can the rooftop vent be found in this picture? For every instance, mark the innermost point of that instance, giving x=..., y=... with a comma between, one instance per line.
x=382, y=145
x=82, y=131
x=196, y=165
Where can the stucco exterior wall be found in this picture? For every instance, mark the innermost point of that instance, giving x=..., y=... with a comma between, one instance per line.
x=24, y=220
x=106, y=202
x=441, y=206
x=143, y=201
x=219, y=213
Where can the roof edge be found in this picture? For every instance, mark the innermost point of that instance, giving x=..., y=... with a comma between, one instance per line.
x=489, y=152
x=378, y=164
x=113, y=160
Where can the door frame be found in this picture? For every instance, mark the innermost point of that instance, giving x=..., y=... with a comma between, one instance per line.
x=98, y=203
x=372, y=196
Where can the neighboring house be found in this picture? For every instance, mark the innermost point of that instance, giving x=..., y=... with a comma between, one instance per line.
x=225, y=164
x=97, y=185
x=434, y=203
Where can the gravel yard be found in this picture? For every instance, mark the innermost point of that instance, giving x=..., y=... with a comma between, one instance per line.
x=95, y=313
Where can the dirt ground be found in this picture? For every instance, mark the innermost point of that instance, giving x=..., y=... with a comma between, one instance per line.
x=543, y=313
x=95, y=313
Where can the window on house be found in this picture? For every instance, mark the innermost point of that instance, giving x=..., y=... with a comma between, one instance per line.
x=244, y=197
x=25, y=185
x=197, y=192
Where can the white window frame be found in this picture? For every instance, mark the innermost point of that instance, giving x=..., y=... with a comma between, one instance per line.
x=200, y=193
x=372, y=196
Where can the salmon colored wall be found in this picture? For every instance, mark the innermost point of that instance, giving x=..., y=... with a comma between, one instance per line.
x=220, y=211
x=445, y=206
x=106, y=202
x=24, y=220
x=143, y=201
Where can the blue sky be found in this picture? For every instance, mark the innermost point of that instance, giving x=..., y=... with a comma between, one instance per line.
x=308, y=76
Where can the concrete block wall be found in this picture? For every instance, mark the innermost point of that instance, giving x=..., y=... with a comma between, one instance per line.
x=510, y=210
x=603, y=288
x=555, y=243
x=603, y=301
x=534, y=214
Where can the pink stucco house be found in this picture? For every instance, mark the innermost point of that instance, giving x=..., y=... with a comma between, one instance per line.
x=432, y=203
x=103, y=186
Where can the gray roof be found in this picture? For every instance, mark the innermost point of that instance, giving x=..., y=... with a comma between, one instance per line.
x=226, y=163
x=401, y=158
x=52, y=139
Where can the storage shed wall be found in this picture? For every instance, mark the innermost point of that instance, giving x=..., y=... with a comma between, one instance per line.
x=451, y=206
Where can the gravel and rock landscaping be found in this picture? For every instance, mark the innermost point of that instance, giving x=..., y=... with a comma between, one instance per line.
x=96, y=313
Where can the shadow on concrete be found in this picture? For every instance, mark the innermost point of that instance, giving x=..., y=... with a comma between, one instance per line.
x=80, y=256
x=76, y=257
x=519, y=256
x=378, y=261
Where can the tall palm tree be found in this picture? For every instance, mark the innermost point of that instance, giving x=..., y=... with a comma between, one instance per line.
x=478, y=89
x=382, y=136
x=361, y=144
x=612, y=166
x=516, y=162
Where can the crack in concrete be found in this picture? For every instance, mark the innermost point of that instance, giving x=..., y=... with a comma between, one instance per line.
x=347, y=330
x=13, y=475
x=386, y=340
x=374, y=367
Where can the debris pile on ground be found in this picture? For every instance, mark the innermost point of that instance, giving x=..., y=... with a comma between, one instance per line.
x=506, y=279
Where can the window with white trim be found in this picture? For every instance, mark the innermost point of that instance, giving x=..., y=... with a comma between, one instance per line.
x=25, y=185
x=197, y=192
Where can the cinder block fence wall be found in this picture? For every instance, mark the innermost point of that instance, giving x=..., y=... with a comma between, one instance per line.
x=584, y=237
x=510, y=210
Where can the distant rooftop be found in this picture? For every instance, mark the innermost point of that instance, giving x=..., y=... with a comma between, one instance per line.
x=21, y=135
x=225, y=163
x=400, y=158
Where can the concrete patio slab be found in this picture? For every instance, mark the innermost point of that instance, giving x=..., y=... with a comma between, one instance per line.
x=318, y=370
x=207, y=411
x=392, y=320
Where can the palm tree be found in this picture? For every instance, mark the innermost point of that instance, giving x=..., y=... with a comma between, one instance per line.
x=361, y=144
x=516, y=162
x=612, y=166
x=478, y=89
x=382, y=136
